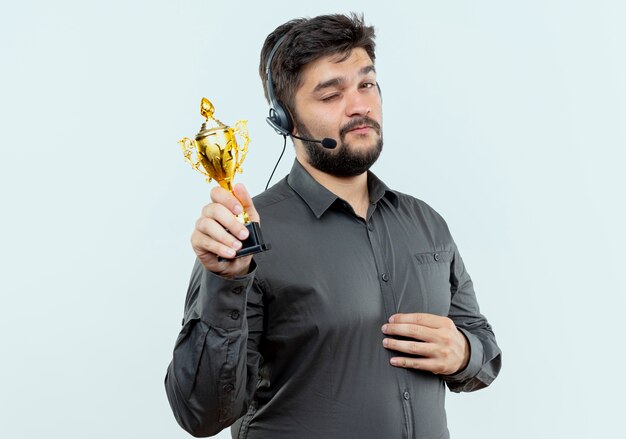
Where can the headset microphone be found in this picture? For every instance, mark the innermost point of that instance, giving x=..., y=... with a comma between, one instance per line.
x=326, y=142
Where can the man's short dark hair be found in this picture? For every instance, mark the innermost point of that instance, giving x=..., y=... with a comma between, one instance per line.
x=309, y=39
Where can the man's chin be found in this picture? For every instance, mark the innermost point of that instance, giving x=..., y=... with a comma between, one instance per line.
x=360, y=144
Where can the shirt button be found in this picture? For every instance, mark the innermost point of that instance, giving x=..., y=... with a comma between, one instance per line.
x=238, y=290
x=437, y=257
x=386, y=277
x=370, y=227
x=228, y=387
x=234, y=315
x=406, y=395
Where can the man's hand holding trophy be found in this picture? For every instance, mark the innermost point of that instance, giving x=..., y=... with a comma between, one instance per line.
x=227, y=232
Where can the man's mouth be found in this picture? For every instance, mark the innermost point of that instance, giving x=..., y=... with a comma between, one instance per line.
x=360, y=129
x=360, y=126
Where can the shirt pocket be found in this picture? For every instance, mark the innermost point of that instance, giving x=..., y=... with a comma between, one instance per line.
x=433, y=280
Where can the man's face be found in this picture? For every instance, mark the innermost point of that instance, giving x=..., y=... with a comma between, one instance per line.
x=340, y=100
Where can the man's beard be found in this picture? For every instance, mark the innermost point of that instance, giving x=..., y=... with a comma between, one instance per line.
x=343, y=162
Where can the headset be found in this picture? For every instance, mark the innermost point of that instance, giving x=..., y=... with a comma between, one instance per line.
x=278, y=118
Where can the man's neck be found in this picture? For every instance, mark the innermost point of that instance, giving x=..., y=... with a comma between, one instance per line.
x=351, y=189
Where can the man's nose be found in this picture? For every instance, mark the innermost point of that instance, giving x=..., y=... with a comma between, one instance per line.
x=357, y=104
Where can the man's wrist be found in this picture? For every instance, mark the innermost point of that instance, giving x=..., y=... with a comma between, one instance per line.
x=467, y=353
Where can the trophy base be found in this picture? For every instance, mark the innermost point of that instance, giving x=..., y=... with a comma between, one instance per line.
x=252, y=244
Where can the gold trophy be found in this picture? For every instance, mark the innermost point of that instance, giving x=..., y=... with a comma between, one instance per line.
x=216, y=154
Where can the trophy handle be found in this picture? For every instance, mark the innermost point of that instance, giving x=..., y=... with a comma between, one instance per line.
x=190, y=152
x=241, y=128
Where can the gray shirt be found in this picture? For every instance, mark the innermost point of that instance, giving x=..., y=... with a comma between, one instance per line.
x=294, y=348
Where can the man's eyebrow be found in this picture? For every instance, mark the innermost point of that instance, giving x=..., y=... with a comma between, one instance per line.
x=328, y=84
x=365, y=70
x=334, y=82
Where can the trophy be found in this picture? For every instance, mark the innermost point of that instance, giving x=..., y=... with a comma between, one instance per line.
x=216, y=154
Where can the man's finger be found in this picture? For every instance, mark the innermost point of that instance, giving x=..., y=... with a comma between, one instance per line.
x=228, y=221
x=203, y=244
x=227, y=199
x=410, y=347
x=427, y=364
x=422, y=319
x=246, y=201
x=214, y=230
x=410, y=330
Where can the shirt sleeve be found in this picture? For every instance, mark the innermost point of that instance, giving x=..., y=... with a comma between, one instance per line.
x=485, y=355
x=213, y=374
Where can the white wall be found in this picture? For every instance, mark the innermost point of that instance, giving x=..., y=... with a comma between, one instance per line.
x=507, y=117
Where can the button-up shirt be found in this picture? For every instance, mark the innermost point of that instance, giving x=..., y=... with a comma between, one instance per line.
x=294, y=348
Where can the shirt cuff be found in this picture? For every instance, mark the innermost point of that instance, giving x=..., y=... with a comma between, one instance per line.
x=475, y=361
x=222, y=301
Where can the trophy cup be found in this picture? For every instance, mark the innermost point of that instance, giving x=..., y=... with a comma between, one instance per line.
x=216, y=154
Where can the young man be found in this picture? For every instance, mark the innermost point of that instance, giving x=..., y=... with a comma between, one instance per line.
x=362, y=311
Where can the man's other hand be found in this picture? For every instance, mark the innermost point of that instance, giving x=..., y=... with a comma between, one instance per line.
x=439, y=346
x=218, y=232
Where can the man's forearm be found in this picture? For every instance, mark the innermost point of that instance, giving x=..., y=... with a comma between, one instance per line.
x=207, y=381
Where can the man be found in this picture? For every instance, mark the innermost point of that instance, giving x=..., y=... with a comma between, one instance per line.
x=362, y=311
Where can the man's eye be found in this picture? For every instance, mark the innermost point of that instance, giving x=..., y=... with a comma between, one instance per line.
x=368, y=85
x=329, y=98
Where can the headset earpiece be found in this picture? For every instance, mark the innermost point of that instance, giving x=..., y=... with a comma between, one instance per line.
x=279, y=119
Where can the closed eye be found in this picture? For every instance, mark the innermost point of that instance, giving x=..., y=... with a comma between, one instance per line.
x=330, y=97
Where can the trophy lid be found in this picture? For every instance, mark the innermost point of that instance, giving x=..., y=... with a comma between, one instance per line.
x=211, y=124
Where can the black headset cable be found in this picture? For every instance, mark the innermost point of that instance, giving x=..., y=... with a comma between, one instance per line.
x=279, y=158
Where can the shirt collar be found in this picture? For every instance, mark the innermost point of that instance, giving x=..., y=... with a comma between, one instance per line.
x=377, y=190
x=319, y=199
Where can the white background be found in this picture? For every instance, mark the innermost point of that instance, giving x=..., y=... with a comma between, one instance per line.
x=507, y=117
